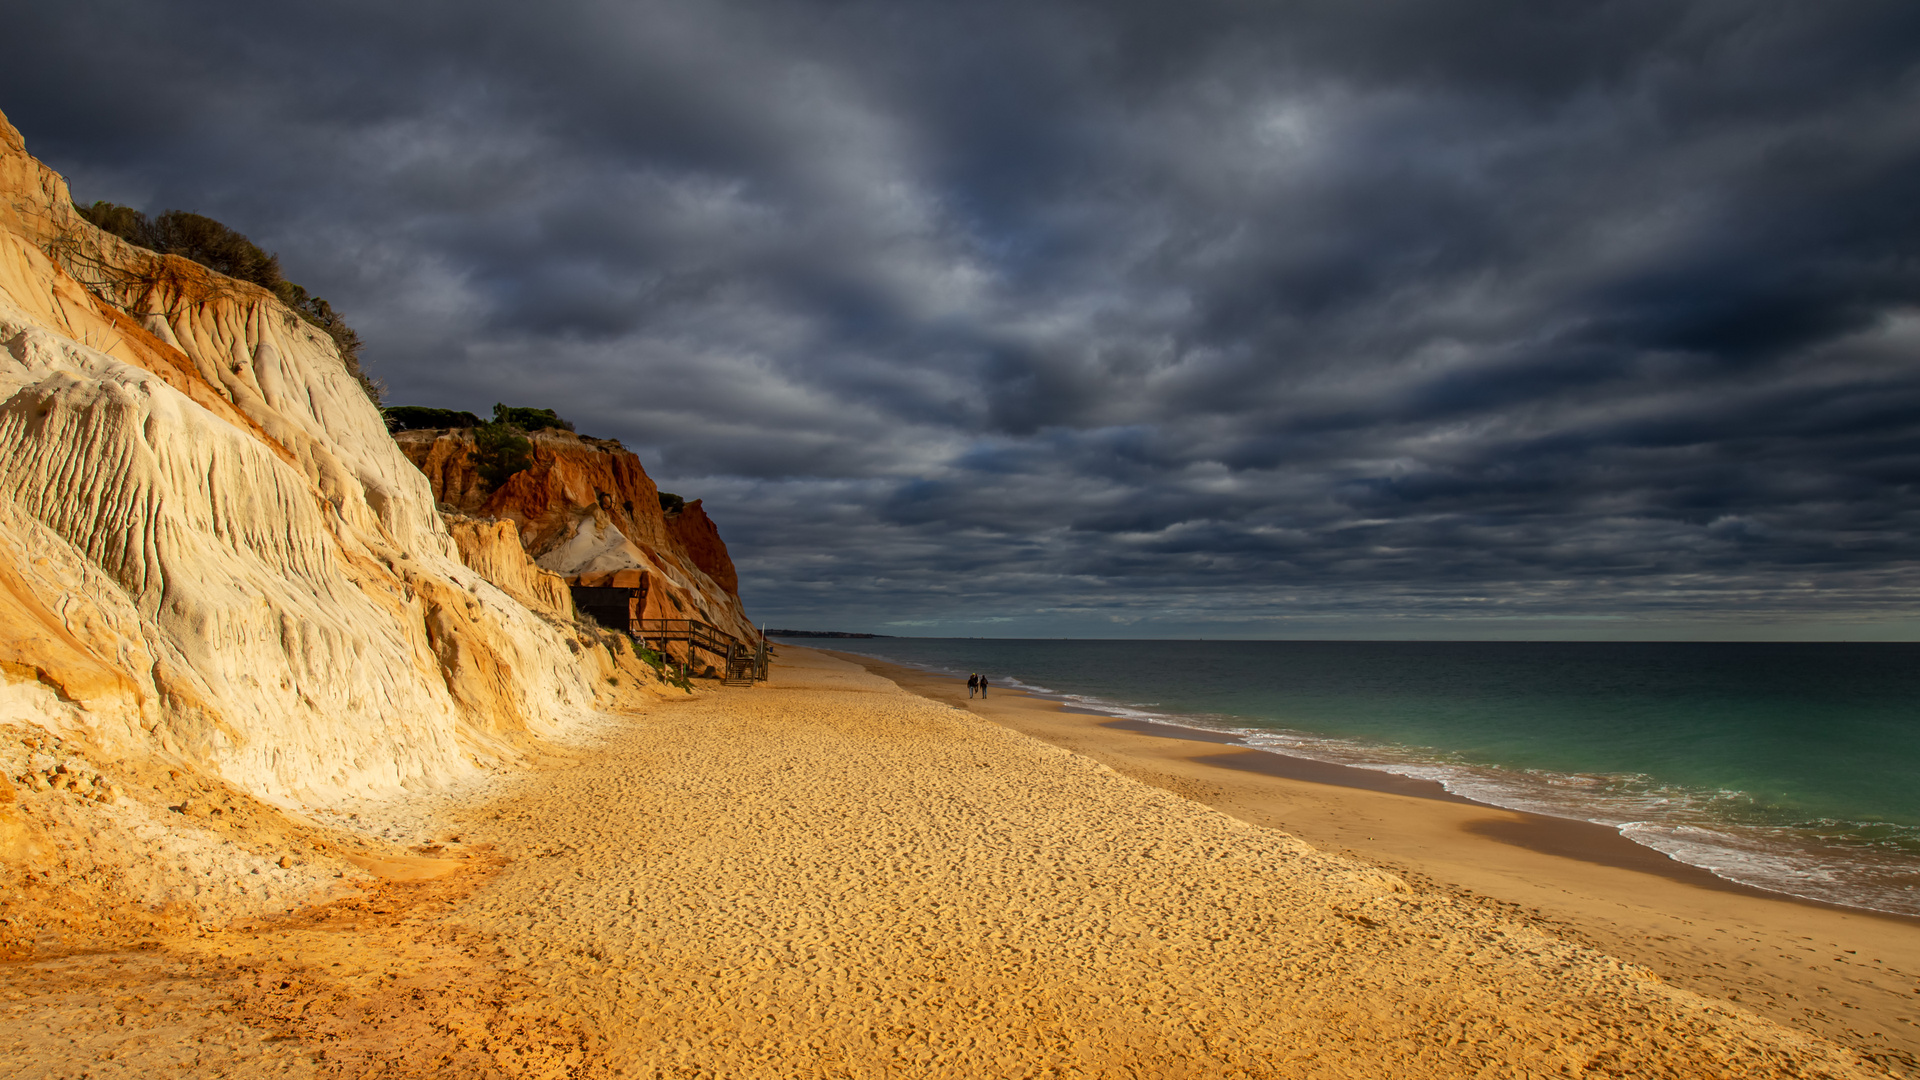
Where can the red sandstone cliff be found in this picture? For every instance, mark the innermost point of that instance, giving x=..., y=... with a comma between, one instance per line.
x=588, y=506
x=699, y=537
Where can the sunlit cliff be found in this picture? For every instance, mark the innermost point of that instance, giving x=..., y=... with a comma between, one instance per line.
x=228, y=598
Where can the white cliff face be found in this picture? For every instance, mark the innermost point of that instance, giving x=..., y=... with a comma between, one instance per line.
x=598, y=545
x=210, y=548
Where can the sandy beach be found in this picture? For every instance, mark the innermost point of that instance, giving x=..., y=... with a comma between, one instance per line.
x=831, y=876
x=1850, y=976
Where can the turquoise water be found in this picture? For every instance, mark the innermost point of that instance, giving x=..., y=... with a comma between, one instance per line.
x=1788, y=766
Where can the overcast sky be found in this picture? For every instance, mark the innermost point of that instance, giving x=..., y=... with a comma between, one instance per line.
x=1258, y=319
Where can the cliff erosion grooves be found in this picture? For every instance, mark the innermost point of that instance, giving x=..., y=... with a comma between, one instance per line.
x=227, y=594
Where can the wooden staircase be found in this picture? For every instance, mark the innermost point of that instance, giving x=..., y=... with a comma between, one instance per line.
x=739, y=663
x=615, y=599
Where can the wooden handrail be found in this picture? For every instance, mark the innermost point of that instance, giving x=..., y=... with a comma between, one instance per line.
x=736, y=655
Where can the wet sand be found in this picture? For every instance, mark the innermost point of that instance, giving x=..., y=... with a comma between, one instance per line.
x=1846, y=975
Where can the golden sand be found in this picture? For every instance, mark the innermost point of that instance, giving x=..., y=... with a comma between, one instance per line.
x=1849, y=976
x=830, y=876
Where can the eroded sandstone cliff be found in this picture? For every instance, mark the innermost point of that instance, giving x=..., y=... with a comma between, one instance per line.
x=223, y=585
x=587, y=506
x=699, y=537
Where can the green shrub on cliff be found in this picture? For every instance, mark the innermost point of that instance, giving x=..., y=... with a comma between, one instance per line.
x=663, y=667
x=213, y=245
x=122, y=221
x=528, y=419
x=499, y=451
x=221, y=249
x=671, y=503
x=419, y=418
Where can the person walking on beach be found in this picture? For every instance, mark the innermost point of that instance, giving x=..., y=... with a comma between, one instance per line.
x=973, y=681
x=983, y=686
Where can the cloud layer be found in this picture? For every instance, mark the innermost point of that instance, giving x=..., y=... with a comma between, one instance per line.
x=1055, y=317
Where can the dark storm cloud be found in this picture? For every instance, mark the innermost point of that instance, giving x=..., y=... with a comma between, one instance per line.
x=1201, y=317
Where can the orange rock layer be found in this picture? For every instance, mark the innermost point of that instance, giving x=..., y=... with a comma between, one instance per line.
x=587, y=506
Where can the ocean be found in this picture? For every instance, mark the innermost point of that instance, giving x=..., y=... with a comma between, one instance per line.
x=1792, y=767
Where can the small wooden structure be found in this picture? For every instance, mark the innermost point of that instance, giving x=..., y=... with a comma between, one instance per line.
x=749, y=663
x=617, y=600
x=614, y=599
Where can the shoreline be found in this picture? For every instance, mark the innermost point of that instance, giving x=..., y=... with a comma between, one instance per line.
x=1548, y=834
x=1844, y=974
x=1586, y=841
x=835, y=874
